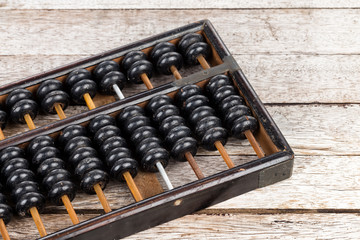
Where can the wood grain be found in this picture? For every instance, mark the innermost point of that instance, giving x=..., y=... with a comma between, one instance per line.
x=168, y=4
x=282, y=31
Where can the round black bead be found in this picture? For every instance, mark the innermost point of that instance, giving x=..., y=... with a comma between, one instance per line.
x=138, y=68
x=186, y=92
x=86, y=165
x=160, y=49
x=131, y=58
x=13, y=165
x=109, y=80
x=5, y=212
x=76, y=76
x=112, y=143
x=99, y=122
x=16, y=96
x=128, y=112
x=90, y=179
x=229, y=102
x=55, y=97
x=81, y=153
x=29, y=200
x=217, y=82
x=57, y=175
x=170, y=123
x=9, y=153
x=69, y=133
x=80, y=88
x=45, y=153
x=243, y=124
x=222, y=93
x=165, y=111
x=142, y=133
x=23, y=107
x=182, y=146
x=147, y=144
x=234, y=113
x=23, y=188
x=60, y=189
x=75, y=143
x=154, y=155
x=195, y=50
x=136, y=122
x=38, y=143
x=104, y=68
x=3, y=119
x=187, y=40
x=124, y=165
x=200, y=113
x=49, y=165
x=214, y=135
x=116, y=155
x=167, y=60
x=194, y=102
x=18, y=176
x=106, y=132
x=156, y=102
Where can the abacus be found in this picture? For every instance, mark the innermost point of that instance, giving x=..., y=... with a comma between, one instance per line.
x=134, y=136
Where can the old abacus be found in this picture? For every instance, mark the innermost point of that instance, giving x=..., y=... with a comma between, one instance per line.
x=141, y=132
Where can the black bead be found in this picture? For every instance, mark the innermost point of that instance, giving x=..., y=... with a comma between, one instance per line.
x=57, y=175
x=48, y=86
x=55, y=97
x=124, y=165
x=112, y=143
x=60, y=189
x=99, y=122
x=200, y=113
x=149, y=160
x=18, y=176
x=234, y=113
x=69, y=133
x=223, y=93
x=23, y=107
x=29, y=200
x=128, y=112
x=80, y=88
x=104, y=68
x=156, y=102
x=243, y=124
x=160, y=49
x=135, y=122
x=76, y=76
x=49, y=165
x=217, y=82
x=213, y=135
x=205, y=124
x=9, y=153
x=131, y=58
x=170, y=123
x=116, y=155
x=38, y=143
x=86, y=165
x=106, y=132
x=16, y=96
x=229, y=102
x=177, y=133
x=186, y=92
x=167, y=60
x=109, y=80
x=182, y=146
x=194, y=102
x=92, y=178
x=23, y=188
x=13, y=165
x=138, y=68
x=187, y=40
x=45, y=153
x=165, y=111
x=81, y=153
x=3, y=119
x=195, y=50
x=75, y=143
x=5, y=212
x=146, y=145
x=142, y=133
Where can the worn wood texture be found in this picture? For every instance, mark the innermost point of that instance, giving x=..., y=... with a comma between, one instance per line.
x=301, y=57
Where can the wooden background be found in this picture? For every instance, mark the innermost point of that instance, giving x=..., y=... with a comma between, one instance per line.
x=302, y=58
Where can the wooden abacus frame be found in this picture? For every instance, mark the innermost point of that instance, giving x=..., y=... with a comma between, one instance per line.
x=186, y=199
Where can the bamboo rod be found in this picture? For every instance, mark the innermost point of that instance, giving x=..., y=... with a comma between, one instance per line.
x=29, y=121
x=146, y=81
x=3, y=230
x=175, y=72
x=38, y=222
x=189, y=157
x=69, y=208
x=204, y=64
x=89, y=102
x=132, y=186
x=224, y=154
x=102, y=198
x=59, y=111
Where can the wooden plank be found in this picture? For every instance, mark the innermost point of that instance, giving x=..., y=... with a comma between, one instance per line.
x=227, y=226
x=291, y=78
x=166, y=4
x=282, y=31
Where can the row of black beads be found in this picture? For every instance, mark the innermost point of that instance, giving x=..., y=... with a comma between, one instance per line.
x=178, y=137
x=112, y=147
x=20, y=180
x=147, y=145
x=82, y=157
x=201, y=116
x=5, y=209
x=231, y=107
x=50, y=168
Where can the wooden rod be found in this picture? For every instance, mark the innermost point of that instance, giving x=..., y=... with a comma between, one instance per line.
x=102, y=198
x=3, y=230
x=224, y=154
x=59, y=111
x=29, y=121
x=2, y=136
x=259, y=152
x=175, y=72
x=69, y=208
x=146, y=81
x=204, y=64
x=194, y=165
x=39, y=224
x=132, y=186
x=89, y=102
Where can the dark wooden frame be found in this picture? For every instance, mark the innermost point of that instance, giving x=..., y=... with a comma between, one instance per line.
x=197, y=195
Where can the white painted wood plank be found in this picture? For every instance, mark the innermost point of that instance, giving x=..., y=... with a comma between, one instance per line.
x=228, y=226
x=87, y=32
x=166, y=4
x=290, y=78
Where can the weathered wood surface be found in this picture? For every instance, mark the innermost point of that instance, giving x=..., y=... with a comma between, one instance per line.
x=278, y=31
x=302, y=61
x=168, y=4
